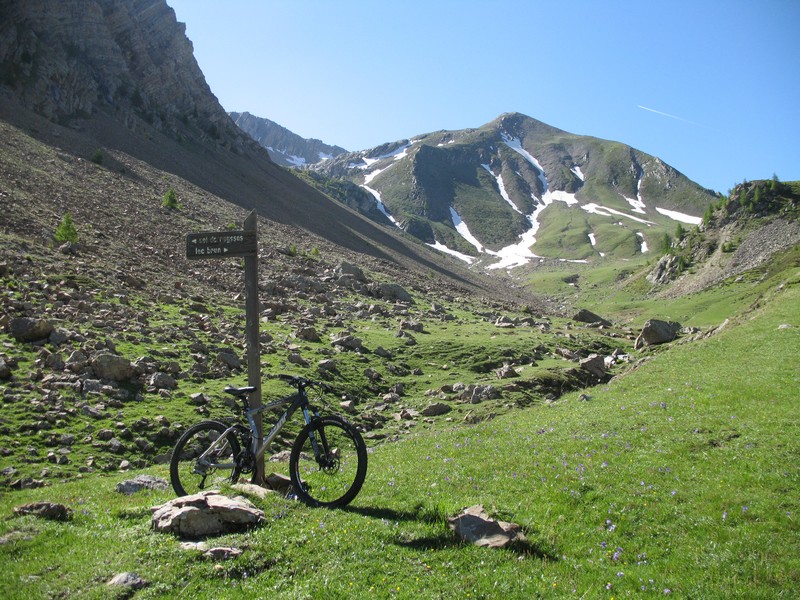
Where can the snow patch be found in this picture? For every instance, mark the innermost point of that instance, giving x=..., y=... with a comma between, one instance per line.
x=397, y=154
x=296, y=161
x=578, y=173
x=636, y=204
x=676, y=216
x=463, y=230
x=503, y=192
x=593, y=242
x=604, y=211
x=644, y=242
x=516, y=145
x=381, y=206
x=459, y=255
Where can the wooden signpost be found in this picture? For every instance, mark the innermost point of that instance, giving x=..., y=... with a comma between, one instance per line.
x=244, y=243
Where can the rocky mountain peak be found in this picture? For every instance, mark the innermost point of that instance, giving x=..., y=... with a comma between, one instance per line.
x=285, y=147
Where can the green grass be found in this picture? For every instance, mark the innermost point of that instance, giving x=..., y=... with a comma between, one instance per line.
x=680, y=476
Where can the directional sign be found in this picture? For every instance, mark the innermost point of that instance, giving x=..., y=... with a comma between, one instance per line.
x=221, y=244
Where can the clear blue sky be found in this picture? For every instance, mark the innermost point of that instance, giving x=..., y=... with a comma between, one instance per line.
x=712, y=87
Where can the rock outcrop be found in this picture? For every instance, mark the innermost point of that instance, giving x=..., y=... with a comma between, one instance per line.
x=74, y=57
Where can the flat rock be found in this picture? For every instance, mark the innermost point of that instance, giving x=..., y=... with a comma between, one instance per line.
x=476, y=527
x=204, y=514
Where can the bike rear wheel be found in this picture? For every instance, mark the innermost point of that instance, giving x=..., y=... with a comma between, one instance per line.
x=328, y=463
x=193, y=469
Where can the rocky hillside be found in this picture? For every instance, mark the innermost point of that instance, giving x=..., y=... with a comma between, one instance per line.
x=104, y=76
x=517, y=188
x=285, y=148
x=740, y=232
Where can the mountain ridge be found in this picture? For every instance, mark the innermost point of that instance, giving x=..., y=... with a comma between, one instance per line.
x=285, y=147
x=480, y=191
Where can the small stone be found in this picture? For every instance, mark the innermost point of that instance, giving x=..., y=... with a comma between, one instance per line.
x=222, y=553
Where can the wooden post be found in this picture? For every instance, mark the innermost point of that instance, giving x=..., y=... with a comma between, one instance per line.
x=253, y=343
x=224, y=244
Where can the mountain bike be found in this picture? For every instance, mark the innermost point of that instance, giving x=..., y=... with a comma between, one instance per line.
x=327, y=463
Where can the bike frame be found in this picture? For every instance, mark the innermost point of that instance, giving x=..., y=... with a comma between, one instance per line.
x=298, y=400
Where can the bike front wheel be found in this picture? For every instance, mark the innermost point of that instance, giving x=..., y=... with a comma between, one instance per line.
x=328, y=463
x=202, y=460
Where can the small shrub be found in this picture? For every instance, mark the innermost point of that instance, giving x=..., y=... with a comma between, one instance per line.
x=97, y=157
x=66, y=232
x=170, y=199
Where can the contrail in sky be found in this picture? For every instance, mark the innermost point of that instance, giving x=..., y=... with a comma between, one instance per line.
x=663, y=114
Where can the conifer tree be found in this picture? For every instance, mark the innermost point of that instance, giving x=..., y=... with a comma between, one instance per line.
x=66, y=232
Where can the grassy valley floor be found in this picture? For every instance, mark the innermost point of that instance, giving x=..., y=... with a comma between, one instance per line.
x=680, y=478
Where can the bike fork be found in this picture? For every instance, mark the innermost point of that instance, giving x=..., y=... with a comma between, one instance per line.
x=320, y=446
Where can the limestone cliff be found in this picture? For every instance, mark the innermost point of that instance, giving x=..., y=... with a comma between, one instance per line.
x=68, y=59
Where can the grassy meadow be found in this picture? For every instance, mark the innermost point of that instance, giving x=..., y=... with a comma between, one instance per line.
x=679, y=478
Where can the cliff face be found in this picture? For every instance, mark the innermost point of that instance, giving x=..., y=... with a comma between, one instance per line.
x=70, y=58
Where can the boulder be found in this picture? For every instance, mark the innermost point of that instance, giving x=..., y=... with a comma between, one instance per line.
x=506, y=372
x=476, y=527
x=478, y=393
x=128, y=580
x=5, y=369
x=594, y=364
x=28, y=329
x=45, y=510
x=251, y=489
x=390, y=291
x=346, y=268
x=76, y=361
x=141, y=482
x=436, y=409
x=230, y=359
x=204, y=514
x=587, y=316
x=345, y=341
x=162, y=381
x=308, y=334
x=112, y=367
x=295, y=359
x=325, y=365
x=657, y=332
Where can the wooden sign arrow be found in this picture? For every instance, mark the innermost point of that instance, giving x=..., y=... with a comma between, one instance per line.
x=221, y=244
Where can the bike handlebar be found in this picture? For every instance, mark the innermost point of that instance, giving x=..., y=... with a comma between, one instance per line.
x=301, y=382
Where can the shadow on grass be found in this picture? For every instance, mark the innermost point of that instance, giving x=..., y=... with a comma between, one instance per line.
x=445, y=539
